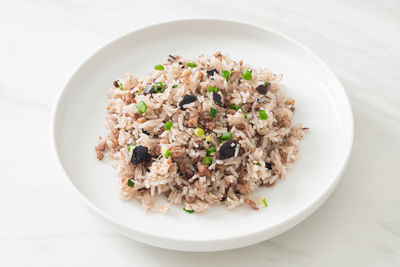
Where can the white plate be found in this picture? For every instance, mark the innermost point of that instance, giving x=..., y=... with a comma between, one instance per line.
x=321, y=104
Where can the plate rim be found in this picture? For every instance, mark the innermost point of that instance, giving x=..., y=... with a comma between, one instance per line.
x=200, y=245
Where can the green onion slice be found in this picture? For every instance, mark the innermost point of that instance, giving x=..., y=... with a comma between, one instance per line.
x=211, y=150
x=131, y=145
x=188, y=211
x=131, y=183
x=198, y=132
x=225, y=74
x=141, y=107
x=159, y=67
x=156, y=87
x=191, y=64
x=262, y=114
x=167, y=153
x=174, y=86
x=265, y=202
x=235, y=107
x=213, y=112
x=208, y=160
x=247, y=74
x=168, y=125
x=226, y=136
x=212, y=89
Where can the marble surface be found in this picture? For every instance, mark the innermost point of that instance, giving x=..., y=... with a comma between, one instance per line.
x=42, y=223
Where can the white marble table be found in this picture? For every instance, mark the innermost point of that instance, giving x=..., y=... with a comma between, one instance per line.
x=42, y=223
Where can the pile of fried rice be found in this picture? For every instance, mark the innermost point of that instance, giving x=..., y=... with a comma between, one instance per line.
x=199, y=131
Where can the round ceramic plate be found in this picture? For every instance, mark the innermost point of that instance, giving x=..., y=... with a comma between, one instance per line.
x=321, y=105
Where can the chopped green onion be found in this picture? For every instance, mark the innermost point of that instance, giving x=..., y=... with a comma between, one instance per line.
x=141, y=107
x=226, y=136
x=245, y=116
x=258, y=164
x=167, y=153
x=159, y=67
x=191, y=64
x=213, y=112
x=168, y=125
x=265, y=202
x=247, y=74
x=208, y=138
x=235, y=107
x=198, y=132
x=188, y=211
x=156, y=87
x=131, y=183
x=213, y=89
x=267, y=82
x=133, y=144
x=225, y=74
x=121, y=86
x=262, y=114
x=208, y=160
x=211, y=150
x=174, y=86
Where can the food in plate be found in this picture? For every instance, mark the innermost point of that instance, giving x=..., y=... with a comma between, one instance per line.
x=201, y=132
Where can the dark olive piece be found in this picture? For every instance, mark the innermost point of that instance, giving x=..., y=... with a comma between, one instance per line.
x=263, y=88
x=217, y=99
x=140, y=154
x=187, y=99
x=212, y=72
x=268, y=166
x=228, y=149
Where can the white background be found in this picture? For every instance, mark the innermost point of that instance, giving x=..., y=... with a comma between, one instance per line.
x=42, y=223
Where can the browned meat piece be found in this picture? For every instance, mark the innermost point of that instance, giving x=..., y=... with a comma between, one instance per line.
x=204, y=171
x=243, y=188
x=251, y=203
x=227, y=99
x=141, y=120
x=270, y=185
x=218, y=55
x=220, y=166
x=283, y=155
x=241, y=174
x=99, y=155
x=210, y=125
x=164, y=141
x=199, y=75
x=100, y=149
x=190, y=199
x=156, y=150
x=193, y=122
x=195, y=160
x=290, y=102
x=207, y=122
x=184, y=168
x=178, y=153
x=285, y=120
x=231, y=111
x=127, y=98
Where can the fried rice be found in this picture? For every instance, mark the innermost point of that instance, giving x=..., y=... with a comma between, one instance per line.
x=201, y=132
